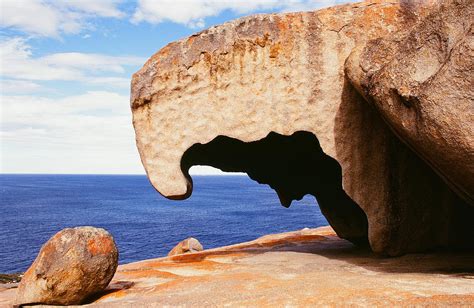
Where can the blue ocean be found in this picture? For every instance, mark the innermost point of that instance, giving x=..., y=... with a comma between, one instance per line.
x=222, y=210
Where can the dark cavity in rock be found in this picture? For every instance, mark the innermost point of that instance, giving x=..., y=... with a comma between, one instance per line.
x=293, y=166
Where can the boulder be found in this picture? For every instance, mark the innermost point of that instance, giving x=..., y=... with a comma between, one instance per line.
x=70, y=267
x=268, y=95
x=422, y=83
x=186, y=246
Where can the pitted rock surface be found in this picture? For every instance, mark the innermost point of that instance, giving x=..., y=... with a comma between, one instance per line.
x=283, y=74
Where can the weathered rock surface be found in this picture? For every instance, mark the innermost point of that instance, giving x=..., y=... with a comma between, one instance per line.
x=73, y=265
x=243, y=86
x=422, y=82
x=302, y=268
x=188, y=245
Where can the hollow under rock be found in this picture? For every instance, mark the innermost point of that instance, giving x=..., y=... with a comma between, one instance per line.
x=293, y=166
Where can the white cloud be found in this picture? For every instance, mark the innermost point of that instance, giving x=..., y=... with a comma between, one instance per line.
x=90, y=61
x=114, y=82
x=91, y=132
x=30, y=16
x=18, y=86
x=102, y=8
x=22, y=109
x=18, y=62
x=193, y=13
x=53, y=17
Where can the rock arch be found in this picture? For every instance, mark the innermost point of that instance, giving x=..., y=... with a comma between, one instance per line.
x=284, y=73
x=293, y=166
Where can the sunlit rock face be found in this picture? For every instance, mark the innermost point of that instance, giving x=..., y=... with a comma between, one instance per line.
x=230, y=88
x=422, y=82
x=72, y=266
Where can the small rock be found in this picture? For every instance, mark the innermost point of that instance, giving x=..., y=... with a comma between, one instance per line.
x=187, y=246
x=74, y=264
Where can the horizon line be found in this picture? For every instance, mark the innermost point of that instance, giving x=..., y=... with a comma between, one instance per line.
x=121, y=174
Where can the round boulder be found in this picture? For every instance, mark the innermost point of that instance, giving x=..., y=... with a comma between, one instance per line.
x=71, y=266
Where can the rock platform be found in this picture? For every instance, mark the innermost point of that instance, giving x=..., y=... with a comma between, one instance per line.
x=300, y=268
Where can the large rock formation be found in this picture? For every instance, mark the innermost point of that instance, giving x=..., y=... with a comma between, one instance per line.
x=268, y=95
x=422, y=82
x=73, y=265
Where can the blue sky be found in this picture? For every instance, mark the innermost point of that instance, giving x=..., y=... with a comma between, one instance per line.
x=65, y=71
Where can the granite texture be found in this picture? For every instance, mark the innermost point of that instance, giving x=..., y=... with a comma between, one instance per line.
x=261, y=75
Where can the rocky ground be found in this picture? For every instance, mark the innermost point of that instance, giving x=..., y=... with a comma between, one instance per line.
x=300, y=268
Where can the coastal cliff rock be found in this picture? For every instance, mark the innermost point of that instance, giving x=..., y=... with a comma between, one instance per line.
x=268, y=95
x=186, y=246
x=71, y=266
x=422, y=83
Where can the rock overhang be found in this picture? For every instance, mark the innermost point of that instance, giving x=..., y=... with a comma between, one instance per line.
x=271, y=58
x=284, y=73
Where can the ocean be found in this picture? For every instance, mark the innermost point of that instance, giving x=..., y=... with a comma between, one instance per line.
x=222, y=210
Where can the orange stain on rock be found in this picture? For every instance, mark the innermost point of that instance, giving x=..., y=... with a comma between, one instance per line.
x=275, y=50
x=101, y=245
x=148, y=273
x=310, y=267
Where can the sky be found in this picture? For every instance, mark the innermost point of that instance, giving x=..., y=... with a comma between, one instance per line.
x=65, y=75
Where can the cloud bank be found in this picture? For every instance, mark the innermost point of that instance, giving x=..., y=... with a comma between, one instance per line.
x=77, y=134
x=19, y=63
x=53, y=17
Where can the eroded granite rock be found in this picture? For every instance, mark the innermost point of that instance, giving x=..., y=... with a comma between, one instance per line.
x=71, y=266
x=236, y=87
x=186, y=246
x=422, y=83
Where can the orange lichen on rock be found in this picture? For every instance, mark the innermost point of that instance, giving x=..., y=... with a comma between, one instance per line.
x=100, y=245
x=70, y=267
